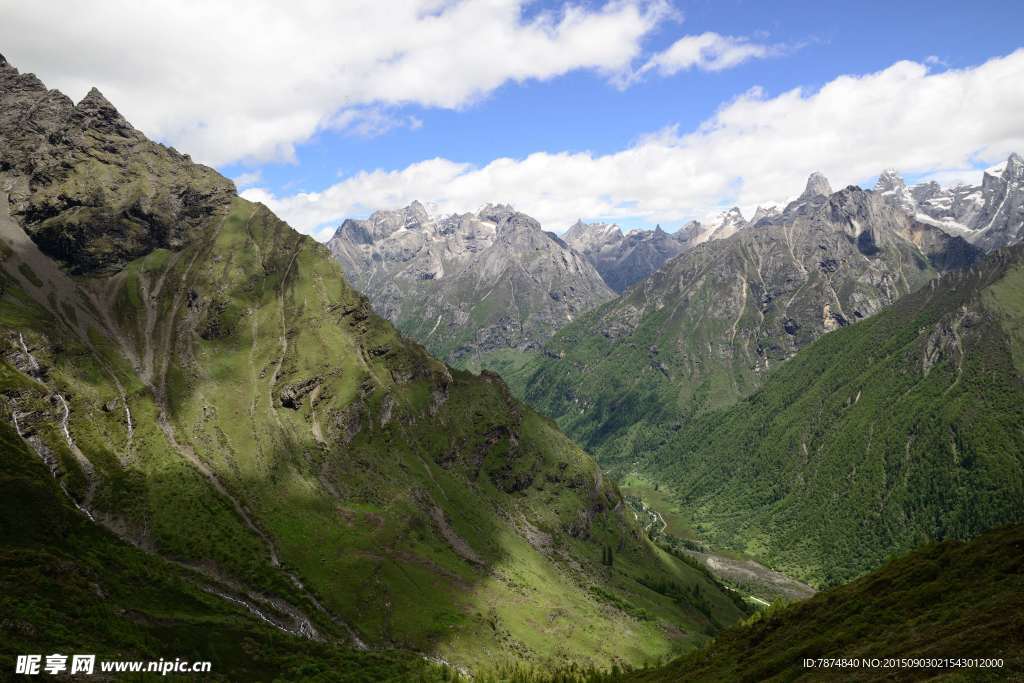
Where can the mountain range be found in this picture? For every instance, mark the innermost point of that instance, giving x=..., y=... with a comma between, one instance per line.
x=489, y=289
x=706, y=328
x=622, y=259
x=472, y=288
x=219, y=410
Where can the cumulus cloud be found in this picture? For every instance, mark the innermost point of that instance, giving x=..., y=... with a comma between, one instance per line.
x=247, y=81
x=754, y=150
x=708, y=52
x=248, y=179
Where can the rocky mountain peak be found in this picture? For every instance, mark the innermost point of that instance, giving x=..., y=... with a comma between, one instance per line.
x=97, y=222
x=1014, y=168
x=727, y=224
x=496, y=212
x=892, y=187
x=688, y=231
x=99, y=113
x=621, y=259
x=471, y=284
x=817, y=186
x=417, y=208
x=889, y=180
x=580, y=229
x=763, y=212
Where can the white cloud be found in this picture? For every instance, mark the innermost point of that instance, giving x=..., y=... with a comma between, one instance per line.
x=948, y=177
x=325, y=233
x=233, y=81
x=708, y=52
x=371, y=122
x=754, y=150
x=248, y=179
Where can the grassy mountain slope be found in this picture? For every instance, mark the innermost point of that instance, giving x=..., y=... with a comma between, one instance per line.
x=949, y=600
x=706, y=329
x=69, y=586
x=221, y=398
x=901, y=429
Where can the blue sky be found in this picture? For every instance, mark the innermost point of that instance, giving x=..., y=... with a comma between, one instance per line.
x=609, y=139
x=582, y=111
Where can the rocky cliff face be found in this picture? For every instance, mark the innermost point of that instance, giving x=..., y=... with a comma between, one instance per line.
x=92, y=191
x=622, y=259
x=722, y=226
x=990, y=215
x=468, y=285
x=704, y=329
x=1000, y=222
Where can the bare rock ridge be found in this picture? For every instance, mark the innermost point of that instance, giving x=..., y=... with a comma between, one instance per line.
x=990, y=215
x=467, y=285
x=88, y=220
x=817, y=186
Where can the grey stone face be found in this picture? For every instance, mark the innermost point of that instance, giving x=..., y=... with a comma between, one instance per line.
x=467, y=284
x=623, y=259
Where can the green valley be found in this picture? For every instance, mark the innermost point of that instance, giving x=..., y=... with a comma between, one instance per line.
x=902, y=429
x=202, y=382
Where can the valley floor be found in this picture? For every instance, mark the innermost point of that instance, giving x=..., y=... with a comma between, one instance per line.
x=665, y=522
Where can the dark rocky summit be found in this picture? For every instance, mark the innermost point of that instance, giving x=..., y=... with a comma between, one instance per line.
x=91, y=190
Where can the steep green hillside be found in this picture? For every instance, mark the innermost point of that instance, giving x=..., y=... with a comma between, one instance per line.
x=904, y=428
x=710, y=325
x=946, y=601
x=69, y=586
x=220, y=397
